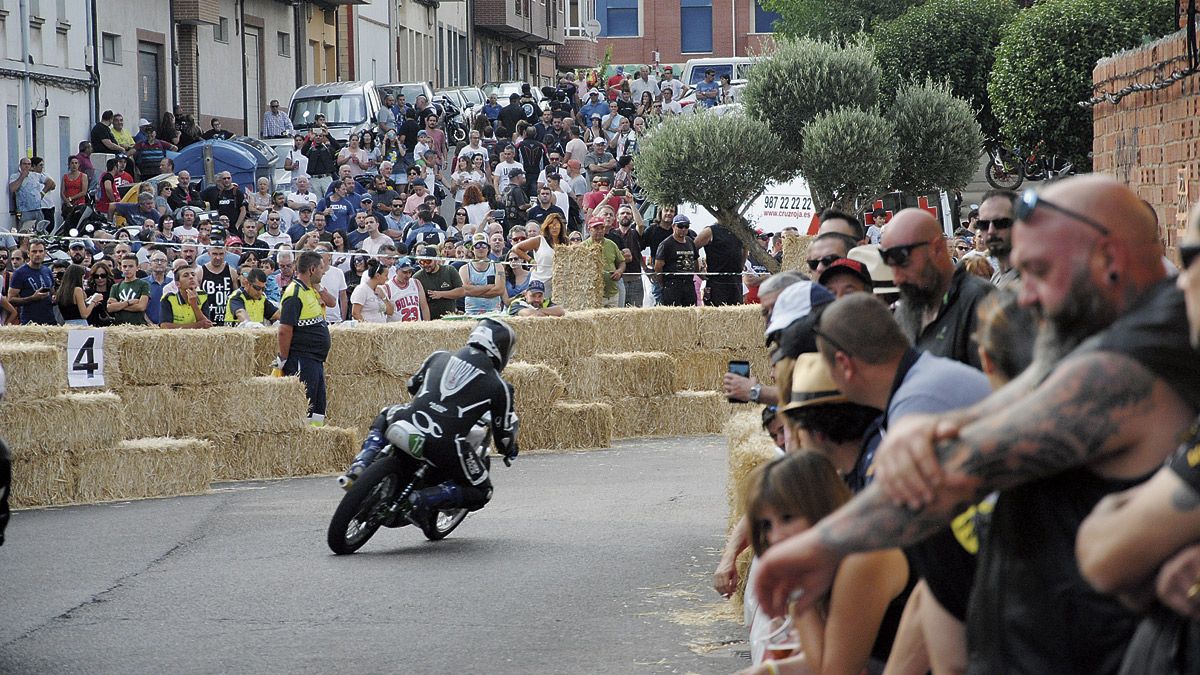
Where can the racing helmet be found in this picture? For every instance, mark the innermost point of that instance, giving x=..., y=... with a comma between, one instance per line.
x=496, y=338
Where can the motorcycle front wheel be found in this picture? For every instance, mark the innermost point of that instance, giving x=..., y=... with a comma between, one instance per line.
x=365, y=506
x=1005, y=175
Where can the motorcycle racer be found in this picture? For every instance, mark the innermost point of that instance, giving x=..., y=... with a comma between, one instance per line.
x=451, y=392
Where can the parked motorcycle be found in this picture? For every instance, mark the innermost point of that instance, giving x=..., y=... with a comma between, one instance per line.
x=379, y=497
x=82, y=220
x=1008, y=168
x=455, y=123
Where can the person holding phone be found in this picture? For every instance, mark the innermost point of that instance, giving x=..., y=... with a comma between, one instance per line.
x=31, y=286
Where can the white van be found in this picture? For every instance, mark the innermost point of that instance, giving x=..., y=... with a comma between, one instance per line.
x=349, y=107
x=736, y=67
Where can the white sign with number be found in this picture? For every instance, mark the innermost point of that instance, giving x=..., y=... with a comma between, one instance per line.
x=85, y=358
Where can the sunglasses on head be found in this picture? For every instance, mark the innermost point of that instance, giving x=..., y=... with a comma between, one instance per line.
x=1187, y=255
x=897, y=256
x=1030, y=201
x=824, y=260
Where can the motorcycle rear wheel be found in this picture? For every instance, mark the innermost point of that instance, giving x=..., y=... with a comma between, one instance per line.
x=443, y=523
x=364, y=507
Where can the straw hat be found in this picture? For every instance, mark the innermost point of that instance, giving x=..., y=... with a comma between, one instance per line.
x=811, y=383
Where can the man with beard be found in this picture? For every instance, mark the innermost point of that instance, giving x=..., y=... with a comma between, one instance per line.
x=938, y=303
x=1053, y=442
x=996, y=221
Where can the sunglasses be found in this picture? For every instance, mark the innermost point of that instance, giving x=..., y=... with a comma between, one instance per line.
x=837, y=347
x=101, y=276
x=1030, y=201
x=898, y=256
x=482, y=246
x=998, y=223
x=260, y=289
x=824, y=260
x=1187, y=255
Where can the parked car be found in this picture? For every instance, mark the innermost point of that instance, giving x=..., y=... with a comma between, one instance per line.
x=349, y=107
x=736, y=67
x=505, y=89
x=411, y=91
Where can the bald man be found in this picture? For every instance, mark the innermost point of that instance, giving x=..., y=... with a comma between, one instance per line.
x=939, y=303
x=1053, y=442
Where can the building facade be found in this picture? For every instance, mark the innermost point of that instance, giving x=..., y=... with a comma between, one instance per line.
x=678, y=30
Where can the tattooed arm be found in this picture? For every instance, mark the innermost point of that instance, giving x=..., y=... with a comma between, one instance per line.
x=1091, y=411
x=1130, y=534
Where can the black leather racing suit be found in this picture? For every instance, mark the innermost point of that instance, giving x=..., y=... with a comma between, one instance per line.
x=451, y=392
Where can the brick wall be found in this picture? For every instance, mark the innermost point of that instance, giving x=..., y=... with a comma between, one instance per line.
x=1151, y=139
x=189, y=86
x=578, y=53
x=660, y=32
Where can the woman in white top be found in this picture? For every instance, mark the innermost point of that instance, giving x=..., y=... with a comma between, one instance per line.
x=370, y=301
x=481, y=170
x=541, y=250
x=408, y=296
x=354, y=156
x=476, y=206
x=259, y=200
x=461, y=178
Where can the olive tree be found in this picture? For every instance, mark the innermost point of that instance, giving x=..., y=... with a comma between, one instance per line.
x=800, y=79
x=938, y=139
x=952, y=40
x=720, y=162
x=848, y=157
x=1044, y=68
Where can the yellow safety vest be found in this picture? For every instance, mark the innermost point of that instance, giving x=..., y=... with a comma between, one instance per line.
x=312, y=310
x=181, y=312
x=255, y=309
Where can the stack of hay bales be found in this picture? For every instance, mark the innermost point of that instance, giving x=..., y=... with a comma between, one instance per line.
x=795, y=253
x=577, y=277
x=749, y=448
x=725, y=334
x=547, y=421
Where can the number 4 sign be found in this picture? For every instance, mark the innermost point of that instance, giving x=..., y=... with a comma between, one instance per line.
x=85, y=358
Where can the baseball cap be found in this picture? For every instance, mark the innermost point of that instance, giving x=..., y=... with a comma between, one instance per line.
x=846, y=266
x=536, y=287
x=306, y=207
x=598, y=140
x=597, y=116
x=811, y=383
x=144, y=122
x=366, y=198
x=796, y=302
x=881, y=275
x=681, y=220
x=594, y=92
x=479, y=238
x=594, y=221
x=233, y=241
x=76, y=244
x=427, y=250
x=667, y=69
x=405, y=263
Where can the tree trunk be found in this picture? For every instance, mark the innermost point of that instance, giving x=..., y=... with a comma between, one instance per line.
x=741, y=229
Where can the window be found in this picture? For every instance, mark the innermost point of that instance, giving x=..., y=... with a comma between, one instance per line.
x=695, y=26
x=764, y=21
x=285, y=44
x=618, y=18
x=221, y=30
x=111, y=48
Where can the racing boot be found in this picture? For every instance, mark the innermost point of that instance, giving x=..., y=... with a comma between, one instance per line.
x=370, y=447
x=423, y=503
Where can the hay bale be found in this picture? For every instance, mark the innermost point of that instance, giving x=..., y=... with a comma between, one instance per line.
x=795, y=253
x=567, y=426
x=62, y=421
x=684, y=413
x=252, y=455
x=33, y=371
x=43, y=477
x=353, y=401
x=322, y=450
x=276, y=404
x=652, y=329
x=557, y=341
x=749, y=447
x=355, y=350
x=266, y=347
x=145, y=467
x=404, y=346
x=56, y=336
x=702, y=369
x=536, y=386
x=578, y=282
x=153, y=411
x=185, y=357
x=615, y=376
x=730, y=327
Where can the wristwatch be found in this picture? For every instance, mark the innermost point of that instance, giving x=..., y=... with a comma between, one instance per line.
x=755, y=393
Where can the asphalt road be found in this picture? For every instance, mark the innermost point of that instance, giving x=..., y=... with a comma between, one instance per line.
x=594, y=562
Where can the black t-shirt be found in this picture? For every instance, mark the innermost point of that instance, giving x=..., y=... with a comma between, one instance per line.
x=227, y=203
x=679, y=260
x=538, y=214
x=652, y=237
x=444, y=279
x=724, y=253
x=632, y=241
x=409, y=130
x=952, y=333
x=98, y=135
x=218, y=286
x=1031, y=610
